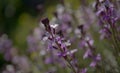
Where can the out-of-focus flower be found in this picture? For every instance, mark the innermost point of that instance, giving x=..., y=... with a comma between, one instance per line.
x=84, y=70
x=22, y=63
x=108, y=18
x=87, y=54
x=32, y=43
x=96, y=59
x=9, y=69
x=5, y=47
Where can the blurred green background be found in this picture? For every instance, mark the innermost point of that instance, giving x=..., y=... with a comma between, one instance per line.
x=19, y=17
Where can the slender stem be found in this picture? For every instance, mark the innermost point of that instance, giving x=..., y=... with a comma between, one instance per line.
x=71, y=65
x=102, y=70
x=66, y=59
x=116, y=45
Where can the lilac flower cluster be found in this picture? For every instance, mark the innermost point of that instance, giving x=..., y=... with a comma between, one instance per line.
x=108, y=18
x=5, y=47
x=86, y=44
x=58, y=42
x=19, y=63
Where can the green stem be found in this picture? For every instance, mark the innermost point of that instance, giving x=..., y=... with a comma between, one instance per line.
x=66, y=59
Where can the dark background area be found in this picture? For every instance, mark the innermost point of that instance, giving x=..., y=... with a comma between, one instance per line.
x=13, y=17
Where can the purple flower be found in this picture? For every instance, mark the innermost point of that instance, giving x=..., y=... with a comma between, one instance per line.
x=62, y=54
x=66, y=18
x=87, y=54
x=105, y=33
x=62, y=45
x=6, y=47
x=32, y=43
x=108, y=17
x=84, y=70
x=45, y=21
x=96, y=59
x=93, y=64
x=82, y=43
x=49, y=60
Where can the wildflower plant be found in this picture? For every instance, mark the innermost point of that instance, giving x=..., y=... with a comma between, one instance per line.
x=70, y=42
